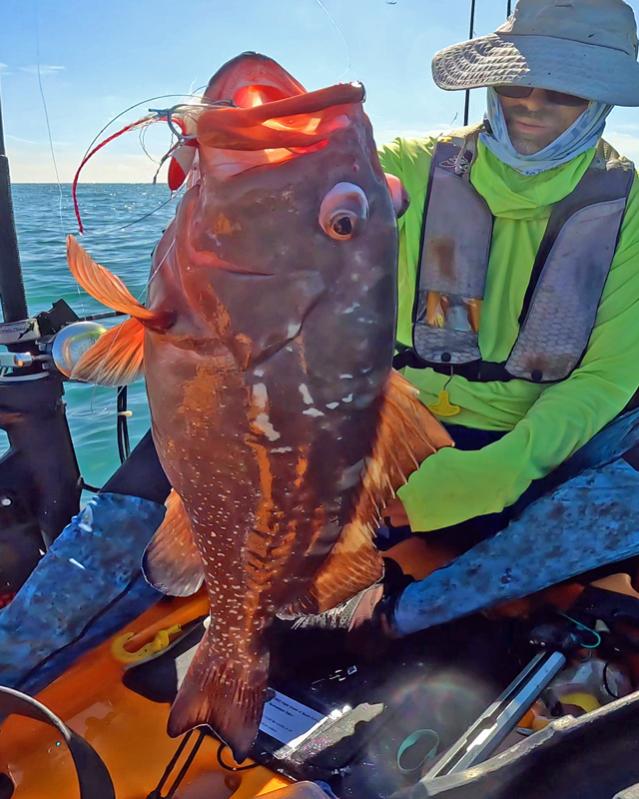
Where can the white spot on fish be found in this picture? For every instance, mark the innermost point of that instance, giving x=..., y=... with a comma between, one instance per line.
x=283, y=449
x=263, y=424
x=313, y=412
x=347, y=398
x=260, y=395
x=332, y=405
x=74, y=562
x=259, y=373
x=346, y=376
x=353, y=307
x=306, y=394
x=293, y=329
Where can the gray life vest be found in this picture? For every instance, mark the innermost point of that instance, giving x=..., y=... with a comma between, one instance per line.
x=566, y=283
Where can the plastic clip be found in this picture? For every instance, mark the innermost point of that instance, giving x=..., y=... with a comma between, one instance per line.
x=161, y=640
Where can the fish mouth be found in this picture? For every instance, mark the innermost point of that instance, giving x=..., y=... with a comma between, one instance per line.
x=258, y=105
x=251, y=78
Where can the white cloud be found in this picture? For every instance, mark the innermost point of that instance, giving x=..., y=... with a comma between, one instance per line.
x=20, y=140
x=45, y=69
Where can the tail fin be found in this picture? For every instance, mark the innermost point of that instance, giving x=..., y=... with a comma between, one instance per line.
x=227, y=694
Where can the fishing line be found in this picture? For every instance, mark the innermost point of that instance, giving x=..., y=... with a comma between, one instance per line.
x=154, y=115
x=169, y=249
x=142, y=138
x=342, y=35
x=122, y=412
x=46, y=112
x=117, y=335
x=202, y=101
x=108, y=230
x=122, y=437
x=51, y=146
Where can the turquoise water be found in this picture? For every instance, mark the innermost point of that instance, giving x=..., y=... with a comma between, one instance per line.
x=124, y=245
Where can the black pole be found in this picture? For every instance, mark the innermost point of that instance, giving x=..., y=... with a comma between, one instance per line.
x=39, y=477
x=508, y=7
x=12, y=296
x=470, y=36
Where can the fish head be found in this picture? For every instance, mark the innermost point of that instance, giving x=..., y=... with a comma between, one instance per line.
x=288, y=209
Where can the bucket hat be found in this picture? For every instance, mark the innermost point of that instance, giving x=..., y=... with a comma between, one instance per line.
x=583, y=47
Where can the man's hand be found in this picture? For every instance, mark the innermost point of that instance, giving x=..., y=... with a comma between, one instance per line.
x=364, y=621
x=396, y=513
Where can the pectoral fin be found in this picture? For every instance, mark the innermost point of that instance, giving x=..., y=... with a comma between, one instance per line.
x=353, y=564
x=407, y=434
x=171, y=562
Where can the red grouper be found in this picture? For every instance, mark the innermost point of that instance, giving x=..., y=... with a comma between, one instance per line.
x=266, y=344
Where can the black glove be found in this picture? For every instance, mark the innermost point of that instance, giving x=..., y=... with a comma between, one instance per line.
x=365, y=619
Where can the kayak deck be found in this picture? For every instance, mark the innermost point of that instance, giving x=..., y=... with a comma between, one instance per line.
x=126, y=730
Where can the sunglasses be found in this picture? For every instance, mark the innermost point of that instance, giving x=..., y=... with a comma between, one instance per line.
x=556, y=98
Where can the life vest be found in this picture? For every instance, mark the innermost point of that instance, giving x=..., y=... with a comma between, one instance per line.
x=566, y=282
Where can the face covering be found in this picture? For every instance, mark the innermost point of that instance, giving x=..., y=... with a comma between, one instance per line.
x=583, y=134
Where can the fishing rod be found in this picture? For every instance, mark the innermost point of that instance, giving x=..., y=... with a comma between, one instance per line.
x=12, y=294
x=40, y=482
x=471, y=32
x=470, y=36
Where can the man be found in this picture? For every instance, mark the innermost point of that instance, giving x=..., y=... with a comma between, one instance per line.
x=518, y=315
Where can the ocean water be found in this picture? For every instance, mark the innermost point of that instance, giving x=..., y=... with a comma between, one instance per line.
x=123, y=223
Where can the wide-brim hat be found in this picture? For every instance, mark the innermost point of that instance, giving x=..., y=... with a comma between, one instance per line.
x=587, y=48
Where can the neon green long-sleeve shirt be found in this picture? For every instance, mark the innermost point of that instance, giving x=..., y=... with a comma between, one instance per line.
x=546, y=423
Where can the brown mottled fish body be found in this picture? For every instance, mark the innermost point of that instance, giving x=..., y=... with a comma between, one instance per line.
x=263, y=426
x=268, y=385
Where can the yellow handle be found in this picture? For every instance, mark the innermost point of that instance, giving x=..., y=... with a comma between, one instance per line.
x=160, y=641
x=443, y=406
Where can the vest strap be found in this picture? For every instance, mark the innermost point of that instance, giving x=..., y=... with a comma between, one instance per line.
x=456, y=235
x=476, y=371
x=566, y=282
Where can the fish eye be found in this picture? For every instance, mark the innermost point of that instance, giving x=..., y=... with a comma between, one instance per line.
x=342, y=225
x=343, y=211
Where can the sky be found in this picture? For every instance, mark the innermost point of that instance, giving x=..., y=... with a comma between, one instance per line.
x=98, y=57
